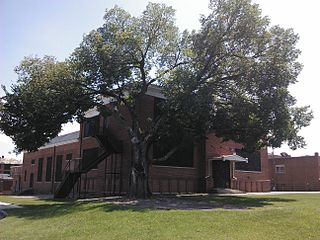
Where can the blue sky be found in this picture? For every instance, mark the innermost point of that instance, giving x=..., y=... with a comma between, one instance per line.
x=56, y=27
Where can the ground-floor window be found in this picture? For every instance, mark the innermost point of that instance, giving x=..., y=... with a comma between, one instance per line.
x=183, y=157
x=40, y=166
x=280, y=169
x=58, y=175
x=254, y=160
x=89, y=155
x=48, y=169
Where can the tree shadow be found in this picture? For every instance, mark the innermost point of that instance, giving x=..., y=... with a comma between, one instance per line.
x=52, y=208
x=237, y=202
x=209, y=202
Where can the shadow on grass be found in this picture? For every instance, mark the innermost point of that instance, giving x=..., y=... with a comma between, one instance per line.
x=49, y=208
x=236, y=202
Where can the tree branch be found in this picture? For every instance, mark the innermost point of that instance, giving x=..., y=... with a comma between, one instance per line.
x=168, y=155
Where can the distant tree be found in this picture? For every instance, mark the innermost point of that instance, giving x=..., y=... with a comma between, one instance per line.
x=45, y=97
x=230, y=77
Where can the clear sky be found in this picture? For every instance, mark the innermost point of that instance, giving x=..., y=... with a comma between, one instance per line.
x=47, y=27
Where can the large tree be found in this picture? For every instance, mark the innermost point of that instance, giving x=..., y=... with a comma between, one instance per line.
x=230, y=77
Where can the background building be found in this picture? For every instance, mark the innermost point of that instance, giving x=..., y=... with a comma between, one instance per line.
x=295, y=173
x=6, y=179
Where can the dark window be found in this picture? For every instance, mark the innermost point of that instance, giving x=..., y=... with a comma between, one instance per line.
x=58, y=176
x=40, y=166
x=183, y=157
x=31, y=180
x=25, y=176
x=69, y=156
x=89, y=156
x=91, y=126
x=33, y=161
x=48, y=169
x=7, y=166
x=254, y=160
x=157, y=107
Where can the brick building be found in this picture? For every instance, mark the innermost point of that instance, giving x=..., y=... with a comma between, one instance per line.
x=42, y=169
x=295, y=173
x=6, y=179
x=250, y=176
x=97, y=160
x=7, y=163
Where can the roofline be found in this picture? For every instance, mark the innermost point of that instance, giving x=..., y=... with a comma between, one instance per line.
x=231, y=158
x=59, y=144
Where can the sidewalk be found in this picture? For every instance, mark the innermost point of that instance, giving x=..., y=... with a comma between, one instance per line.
x=4, y=205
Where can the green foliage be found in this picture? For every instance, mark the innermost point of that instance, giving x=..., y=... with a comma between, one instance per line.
x=236, y=83
x=231, y=77
x=45, y=96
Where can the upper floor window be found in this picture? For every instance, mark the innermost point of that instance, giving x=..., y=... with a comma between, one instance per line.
x=69, y=156
x=91, y=126
x=7, y=166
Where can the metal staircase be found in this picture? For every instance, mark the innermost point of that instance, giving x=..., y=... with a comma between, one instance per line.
x=74, y=168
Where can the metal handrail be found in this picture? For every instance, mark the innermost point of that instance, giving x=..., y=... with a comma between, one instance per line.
x=73, y=165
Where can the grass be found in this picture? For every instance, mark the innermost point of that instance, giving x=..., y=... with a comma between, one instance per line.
x=295, y=216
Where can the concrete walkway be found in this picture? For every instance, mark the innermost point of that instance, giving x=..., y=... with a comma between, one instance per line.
x=282, y=192
x=4, y=205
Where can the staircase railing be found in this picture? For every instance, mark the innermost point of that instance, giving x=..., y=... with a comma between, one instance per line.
x=73, y=165
x=107, y=142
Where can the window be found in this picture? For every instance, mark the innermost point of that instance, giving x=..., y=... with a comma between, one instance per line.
x=7, y=169
x=91, y=126
x=89, y=156
x=33, y=161
x=7, y=166
x=157, y=107
x=58, y=176
x=48, y=169
x=40, y=165
x=31, y=180
x=25, y=176
x=69, y=156
x=254, y=160
x=280, y=169
x=183, y=157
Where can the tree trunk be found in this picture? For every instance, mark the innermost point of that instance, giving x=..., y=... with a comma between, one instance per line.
x=139, y=175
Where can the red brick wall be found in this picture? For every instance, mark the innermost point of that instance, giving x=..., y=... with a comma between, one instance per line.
x=168, y=179
x=301, y=173
x=248, y=181
x=28, y=168
x=5, y=186
x=255, y=181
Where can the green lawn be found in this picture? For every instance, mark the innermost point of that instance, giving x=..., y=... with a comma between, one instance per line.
x=237, y=217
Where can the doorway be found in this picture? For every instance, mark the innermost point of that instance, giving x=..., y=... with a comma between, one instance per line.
x=221, y=174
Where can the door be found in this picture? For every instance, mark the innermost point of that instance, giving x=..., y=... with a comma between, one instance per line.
x=221, y=174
